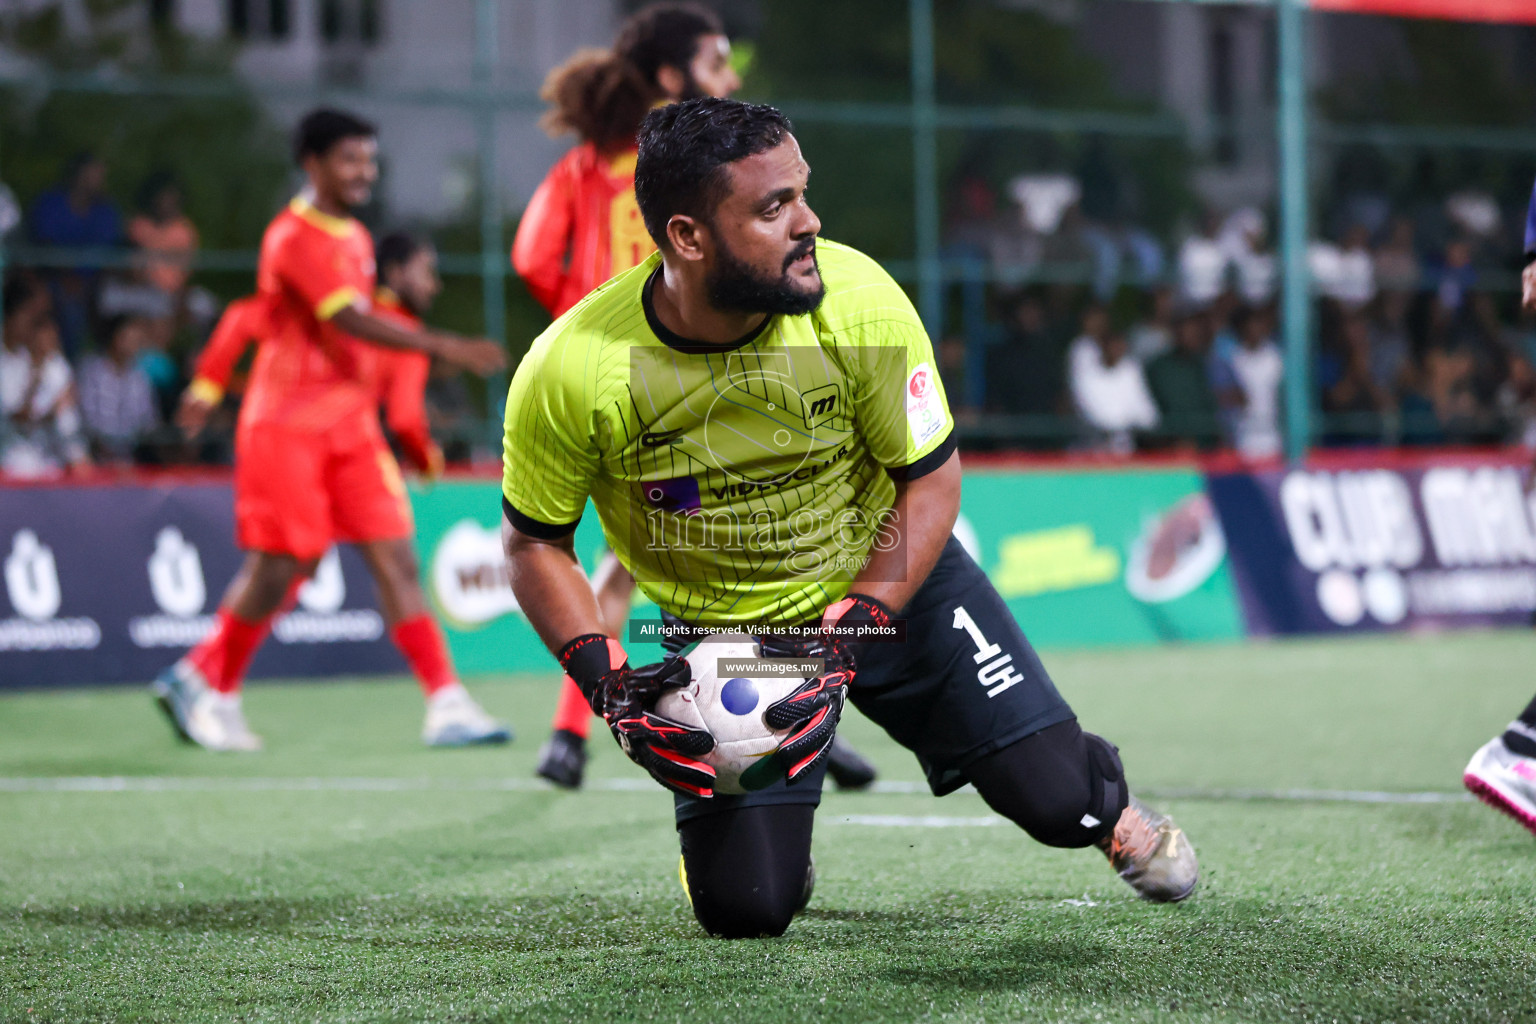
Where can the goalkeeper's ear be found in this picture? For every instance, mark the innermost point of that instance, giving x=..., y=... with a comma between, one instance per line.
x=685, y=237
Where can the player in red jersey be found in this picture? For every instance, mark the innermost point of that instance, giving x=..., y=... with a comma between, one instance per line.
x=408, y=285
x=311, y=464
x=408, y=272
x=583, y=226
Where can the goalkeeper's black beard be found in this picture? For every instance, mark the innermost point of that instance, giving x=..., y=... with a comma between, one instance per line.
x=737, y=288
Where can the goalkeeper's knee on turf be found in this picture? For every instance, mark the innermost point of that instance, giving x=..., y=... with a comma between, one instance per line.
x=1063, y=786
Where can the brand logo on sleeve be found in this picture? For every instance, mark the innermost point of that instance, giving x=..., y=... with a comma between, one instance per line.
x=925, y=409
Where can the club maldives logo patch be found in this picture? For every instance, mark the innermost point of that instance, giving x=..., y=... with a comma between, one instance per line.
x=925, y=408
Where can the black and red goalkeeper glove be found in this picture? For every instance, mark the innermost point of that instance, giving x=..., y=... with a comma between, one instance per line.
x=624, y=696
x=813, y=710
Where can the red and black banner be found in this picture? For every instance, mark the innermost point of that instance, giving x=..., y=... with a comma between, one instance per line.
x=1523, y=11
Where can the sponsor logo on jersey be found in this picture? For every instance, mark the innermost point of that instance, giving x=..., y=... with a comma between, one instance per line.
x=925, y=409
x=679, y=494
x=819, y=405
x=805, y=472
x=660, y=439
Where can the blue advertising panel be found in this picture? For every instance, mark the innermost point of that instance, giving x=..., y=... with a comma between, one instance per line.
x=110, y=584
x=1444, y=544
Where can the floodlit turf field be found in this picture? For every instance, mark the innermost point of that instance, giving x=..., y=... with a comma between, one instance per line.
x=349, y=874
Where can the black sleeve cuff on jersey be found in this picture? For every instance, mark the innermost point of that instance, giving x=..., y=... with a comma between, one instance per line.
x=927, y=464
x=533, y=527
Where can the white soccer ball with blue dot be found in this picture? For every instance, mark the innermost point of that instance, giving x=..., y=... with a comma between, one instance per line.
x=731, y=708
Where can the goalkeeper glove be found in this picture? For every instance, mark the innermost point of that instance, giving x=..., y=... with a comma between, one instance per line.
x=813, y=710
x=623, y=696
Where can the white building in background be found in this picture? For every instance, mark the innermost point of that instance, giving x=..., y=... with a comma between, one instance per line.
x=429, y=152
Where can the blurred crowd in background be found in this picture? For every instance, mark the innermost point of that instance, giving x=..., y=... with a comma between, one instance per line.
x=95, y=354
x=1177, y=345
x=1091, y=336
x=1104, y=292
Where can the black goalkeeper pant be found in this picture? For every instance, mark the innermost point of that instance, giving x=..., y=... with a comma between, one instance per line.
x=747, y=869
x=966, y=693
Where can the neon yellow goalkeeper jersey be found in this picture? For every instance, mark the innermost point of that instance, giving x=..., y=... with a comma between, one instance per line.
x=738, y=483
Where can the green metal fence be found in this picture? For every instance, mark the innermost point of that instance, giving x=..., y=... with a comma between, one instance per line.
x=922, y=115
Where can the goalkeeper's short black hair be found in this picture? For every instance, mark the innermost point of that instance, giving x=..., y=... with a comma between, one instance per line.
x=684, y=149
x=323, y=128
x=396, y=249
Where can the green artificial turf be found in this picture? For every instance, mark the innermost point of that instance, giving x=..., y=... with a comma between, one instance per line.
x=347, y=874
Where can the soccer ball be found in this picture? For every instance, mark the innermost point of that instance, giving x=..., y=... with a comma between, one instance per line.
x=731, y=709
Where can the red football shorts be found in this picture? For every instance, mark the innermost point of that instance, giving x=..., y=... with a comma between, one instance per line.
x=298, y=492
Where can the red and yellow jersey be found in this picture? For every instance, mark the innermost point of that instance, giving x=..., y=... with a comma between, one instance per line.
x=309, y=375
x=400, y=376
x=582, y=227
x=243, y=322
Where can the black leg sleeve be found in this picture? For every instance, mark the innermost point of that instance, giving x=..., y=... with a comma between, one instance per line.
x=747, y=869
x=1063, y=786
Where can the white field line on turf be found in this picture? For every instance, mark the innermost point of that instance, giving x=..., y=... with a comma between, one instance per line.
x=909, y=821
x=370, y=784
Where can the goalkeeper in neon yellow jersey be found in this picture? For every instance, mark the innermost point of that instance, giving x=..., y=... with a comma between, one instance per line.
x=754, y=413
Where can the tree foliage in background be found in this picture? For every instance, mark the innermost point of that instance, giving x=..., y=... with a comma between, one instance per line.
x=1449, y=75
x=229, y=158
x=843, y=50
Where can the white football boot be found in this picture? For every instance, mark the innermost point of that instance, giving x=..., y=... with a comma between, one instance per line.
x=212, y=720
x=455, y=720
x=218, y=723
x=176, y=690
x=1504, y=780
x=1152, y=854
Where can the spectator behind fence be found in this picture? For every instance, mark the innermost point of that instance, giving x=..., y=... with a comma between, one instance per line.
x=165, y=243
x=1391, y=346
x=1107, y=385
x=450, y=413
x=1245, y=238
x=1516, y=399
x=165, y=373
x=39, y=420
x=1203, y=263
x=1180, y=383
x=116, y=397
x=1026, y=368
x=1351, y=394
x=1247, y=386
x=1442, y=407
x=949, y=353
x=1153, y=336
x=1345, y=273
x=1454, y=277
x=76, y=214
x=165, y=238
x=1396, y=260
